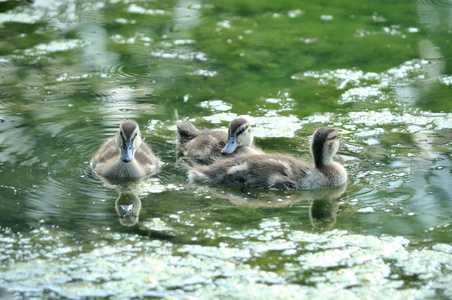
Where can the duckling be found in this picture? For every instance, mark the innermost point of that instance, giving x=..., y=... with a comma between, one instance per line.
x=276, y=171
x=207, y=146
x=125, y=155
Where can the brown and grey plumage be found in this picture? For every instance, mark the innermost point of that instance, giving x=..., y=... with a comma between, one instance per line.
x=209, y=145
x=126, y=155
x=279, y=171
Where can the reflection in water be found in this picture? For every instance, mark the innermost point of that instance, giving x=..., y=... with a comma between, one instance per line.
x=127, y=204
x=435, y=16
x=323, y=213
x=128, y=207
x=186, y=16
x=324, y=207
x=324, y=203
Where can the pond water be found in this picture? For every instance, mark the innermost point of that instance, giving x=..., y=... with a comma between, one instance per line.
x=378, y=71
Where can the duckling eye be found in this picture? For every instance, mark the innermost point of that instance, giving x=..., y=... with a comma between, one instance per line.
x=242, y=130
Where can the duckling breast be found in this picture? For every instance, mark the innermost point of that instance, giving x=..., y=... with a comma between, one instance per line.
x=334, y=175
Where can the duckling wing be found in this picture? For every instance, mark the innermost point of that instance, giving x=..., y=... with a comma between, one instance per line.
x=254, y=171
x=106, y=152
x=206, y=147
x=146, y=158
x=278, y=172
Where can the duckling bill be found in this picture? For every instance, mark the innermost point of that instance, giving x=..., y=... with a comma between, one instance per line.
x=125, y=155
x=208, y=146
x=239, y=134
x=279, y=171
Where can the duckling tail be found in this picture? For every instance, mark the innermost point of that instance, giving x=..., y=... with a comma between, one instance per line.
x=186, y=132
x=193, y=172
x=196, y=175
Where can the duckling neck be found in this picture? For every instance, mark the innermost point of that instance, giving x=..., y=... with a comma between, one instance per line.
x=249, y=141
x=321, y=162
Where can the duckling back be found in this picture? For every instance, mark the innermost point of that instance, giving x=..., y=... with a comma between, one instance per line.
x=253, y=171
x=280, y=172
x=203, y=147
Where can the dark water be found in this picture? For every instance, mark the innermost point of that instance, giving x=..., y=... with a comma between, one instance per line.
x=378, y=71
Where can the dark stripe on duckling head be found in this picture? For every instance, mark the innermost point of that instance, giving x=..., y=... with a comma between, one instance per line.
x=318, y=141
x=235, y=125
x=128, y=127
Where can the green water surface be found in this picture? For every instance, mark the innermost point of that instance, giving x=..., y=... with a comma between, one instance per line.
x=378, y=71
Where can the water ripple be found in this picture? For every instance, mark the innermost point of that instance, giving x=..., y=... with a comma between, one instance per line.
x=436, y=3
x=106, y=68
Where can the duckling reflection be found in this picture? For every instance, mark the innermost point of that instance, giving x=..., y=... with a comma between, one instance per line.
x=323, y=207
x=127, y=204
x=207, y=146
x=128, y=207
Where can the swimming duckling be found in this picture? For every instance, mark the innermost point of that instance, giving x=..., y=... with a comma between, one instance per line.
x=279, y=171
x=207, y=146
x=125, y=155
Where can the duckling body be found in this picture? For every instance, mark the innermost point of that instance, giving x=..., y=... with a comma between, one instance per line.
x=279, y=171
x=208, y=146
x=125, y=155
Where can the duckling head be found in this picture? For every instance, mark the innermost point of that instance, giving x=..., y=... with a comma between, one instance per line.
x=239, y=134
x=325, y=143
x=128, y=139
